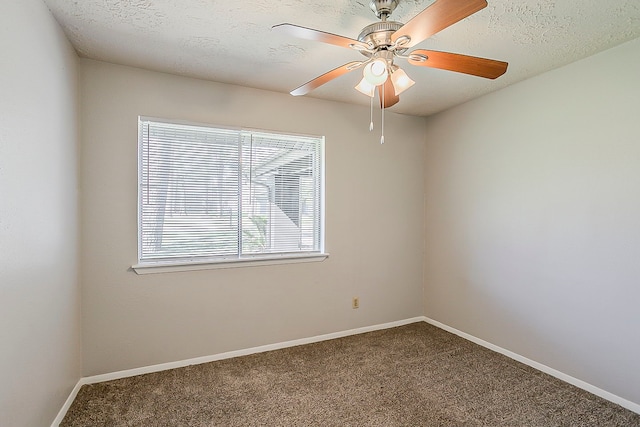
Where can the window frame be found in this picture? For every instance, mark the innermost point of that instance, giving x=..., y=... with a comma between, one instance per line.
x=163, y=265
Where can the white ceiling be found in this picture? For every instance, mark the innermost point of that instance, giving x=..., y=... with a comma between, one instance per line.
x=232, y=42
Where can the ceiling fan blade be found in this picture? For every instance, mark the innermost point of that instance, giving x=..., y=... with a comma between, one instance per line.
x=481, y=67
x=320, y=36
x=440, y=15
x=390, y=97
x=326, y=77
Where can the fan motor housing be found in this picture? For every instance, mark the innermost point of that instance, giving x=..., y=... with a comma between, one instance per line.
x=379, y=34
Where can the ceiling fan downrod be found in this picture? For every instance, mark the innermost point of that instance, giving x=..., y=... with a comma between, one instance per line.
x=383, y=8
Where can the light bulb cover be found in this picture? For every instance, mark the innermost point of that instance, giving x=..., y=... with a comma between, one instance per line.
x=401, y=81
x=366, y=88
x=376, y=72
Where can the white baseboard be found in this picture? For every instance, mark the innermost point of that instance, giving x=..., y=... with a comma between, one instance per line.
x=244, y=352
x=67, y=404
x=277, y=346
x=539, y=366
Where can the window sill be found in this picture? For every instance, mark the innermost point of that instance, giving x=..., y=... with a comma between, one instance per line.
x=151, y=268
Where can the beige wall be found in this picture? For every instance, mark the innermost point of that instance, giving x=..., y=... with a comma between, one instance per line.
x=39, y=291
x=373, y=228
x=532, y=219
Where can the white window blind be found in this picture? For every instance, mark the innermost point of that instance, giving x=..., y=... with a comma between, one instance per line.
x=215, y=194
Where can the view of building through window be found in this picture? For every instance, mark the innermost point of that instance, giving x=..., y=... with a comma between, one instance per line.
x=215, y=193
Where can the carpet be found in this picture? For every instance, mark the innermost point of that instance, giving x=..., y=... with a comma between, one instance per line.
x=413, y=375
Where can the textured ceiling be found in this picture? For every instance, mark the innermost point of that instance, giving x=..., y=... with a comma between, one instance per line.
x=232, y=41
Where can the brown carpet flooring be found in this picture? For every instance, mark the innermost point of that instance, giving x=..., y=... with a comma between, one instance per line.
x=414, y=375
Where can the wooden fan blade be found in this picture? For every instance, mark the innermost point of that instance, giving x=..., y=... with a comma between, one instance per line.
x=325, y=78
x=390, y=97
x=440, y=15
x=481, y=67
x=319, y=36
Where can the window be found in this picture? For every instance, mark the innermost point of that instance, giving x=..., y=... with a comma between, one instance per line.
x=210, y=195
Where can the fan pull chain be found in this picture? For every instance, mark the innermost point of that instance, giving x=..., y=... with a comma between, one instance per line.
x=371, y=122
x=382, y=103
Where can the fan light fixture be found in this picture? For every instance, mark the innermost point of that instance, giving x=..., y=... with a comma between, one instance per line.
x=372, y=77
x=376, y=72
x=401, y=81
x=366, y=88
x=375, y=75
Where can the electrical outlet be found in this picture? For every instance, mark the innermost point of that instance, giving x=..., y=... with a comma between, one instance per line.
x=355, y=303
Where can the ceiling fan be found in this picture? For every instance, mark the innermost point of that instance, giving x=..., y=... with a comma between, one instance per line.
x=382, y=42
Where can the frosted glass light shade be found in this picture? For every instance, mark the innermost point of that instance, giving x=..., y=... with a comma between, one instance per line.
x=366, y=88
x=401, y=81
x=375, y=72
